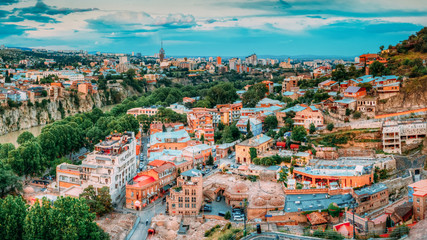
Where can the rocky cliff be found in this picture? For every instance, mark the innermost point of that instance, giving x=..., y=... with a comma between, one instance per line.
x=26, y=116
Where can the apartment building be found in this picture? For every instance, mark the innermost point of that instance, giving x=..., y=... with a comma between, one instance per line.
x=261, y=143
x=199, y=154
x=255, y=125
x=304, y=116
x=355, y=92
x=112, y=164
x=169, y=140
x=291, y=83
x=367, y=106
x=417, y=193
x=139, y=111
x=395, y=133
x=187, y=197
x=371, y=197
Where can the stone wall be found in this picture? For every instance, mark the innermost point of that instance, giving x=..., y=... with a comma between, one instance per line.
x=398, y=186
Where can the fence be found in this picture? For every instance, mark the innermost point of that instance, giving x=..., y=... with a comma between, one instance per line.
x=132, y=231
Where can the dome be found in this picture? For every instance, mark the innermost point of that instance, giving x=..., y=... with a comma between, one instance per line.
x=259, y=202
x=276, y=201
x=29, y=189
x=266, y=197
x=240, y=188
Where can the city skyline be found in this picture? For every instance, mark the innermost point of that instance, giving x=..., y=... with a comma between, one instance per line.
x=227, y=28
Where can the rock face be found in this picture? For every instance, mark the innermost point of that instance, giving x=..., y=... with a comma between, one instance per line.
x=30, y=116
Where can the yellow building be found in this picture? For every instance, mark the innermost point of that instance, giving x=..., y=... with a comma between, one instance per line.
x=261, y=143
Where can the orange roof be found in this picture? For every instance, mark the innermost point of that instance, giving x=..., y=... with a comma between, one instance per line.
x=157, y=163
x=420, y=193
x=143, y=180
x=420, y=184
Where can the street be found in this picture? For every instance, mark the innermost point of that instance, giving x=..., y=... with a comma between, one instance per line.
x=147, y=213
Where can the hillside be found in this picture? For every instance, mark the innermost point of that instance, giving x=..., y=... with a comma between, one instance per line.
x=408, y=57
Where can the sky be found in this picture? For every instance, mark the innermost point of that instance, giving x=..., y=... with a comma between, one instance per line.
x=211, y=27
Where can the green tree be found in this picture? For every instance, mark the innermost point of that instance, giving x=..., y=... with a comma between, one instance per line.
x=210, y=160
x=333, y=210
x=37, y=221
x=24, y=137
x=330, y=126
x=312, y=128
x=376, y=69
x=254, y=94
x=4, y=151
x=299, y=133
x=227, y=215
x=202, y=138
x=340, y=73
x=270, y=123
x=99, y=203
x=9, y=181
x=253, y=153
x=347, y=112
x=249, y=133
x=27, y=159
x=221, y=94
x=357, y=114
x=399, y=232
x=12, y=215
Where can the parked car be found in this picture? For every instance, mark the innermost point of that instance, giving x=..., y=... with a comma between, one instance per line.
x=208, y=200
x=238, y=218
x=215, y=166
x=222, y=214
x=207, y=208
x=218, y=199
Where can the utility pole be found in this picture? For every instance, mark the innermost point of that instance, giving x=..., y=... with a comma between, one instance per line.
x=245, y=202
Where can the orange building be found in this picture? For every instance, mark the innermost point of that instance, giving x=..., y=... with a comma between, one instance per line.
x=139, y=111
x=354, y=177
x=269, y=85
x=354, y=92
x=170, y=127
x=68, y=175
x=218, y=60
x=169, y=140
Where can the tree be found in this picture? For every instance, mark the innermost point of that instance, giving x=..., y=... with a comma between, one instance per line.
x=376, y=69
x=202, y=138
x=299, y=133
x=333, y=210
x=312, y=128
x=9, y=181
x=270, y=123
x=253, y=153
x=254, y=94
x=227, y=215
x=340, y=73
x=347, y=112
x=24, y=137
x=221, y=94
x=12, y=215
x=357, y=114
x=210, y=160
x=164, y=128
x=399, y=232
x=27, y=159
x=382, y=48
x=330, y=126
x=100, y=203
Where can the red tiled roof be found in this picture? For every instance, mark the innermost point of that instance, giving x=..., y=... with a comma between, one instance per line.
x=143, y=180
x=157, y=163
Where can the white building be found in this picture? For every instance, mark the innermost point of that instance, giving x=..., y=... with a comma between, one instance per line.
x=112, y=164
x=408, y=132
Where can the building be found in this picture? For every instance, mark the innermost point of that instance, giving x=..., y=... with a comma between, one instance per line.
x=304, y=116
x=169, y=140
x=417, y=193
x=261, y=143
x=367, y=106
x=139, y=111
x=218, y=60
x=371, y=198
x=354, y=92
x=291, y=83
x=407, y=132
x=198, y=154
x=187, y=197
x=255, y=125
x=161, y=53
x=112, y=164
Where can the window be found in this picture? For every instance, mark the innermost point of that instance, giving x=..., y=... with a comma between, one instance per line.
x=187, y=192
x=179, y=199
x=418, y=200
x=180, y=205
x=418, y=209
x=187, y=199
x=193, y=205
x=187, y=205
x=193, y=199
x=173, y=205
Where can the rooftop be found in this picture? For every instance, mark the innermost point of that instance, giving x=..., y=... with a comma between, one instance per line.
x=310, y=202
x=371, y=189
x=192, y=173
x=255, y=141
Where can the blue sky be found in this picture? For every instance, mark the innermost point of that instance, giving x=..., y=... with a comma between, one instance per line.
x=211, y=27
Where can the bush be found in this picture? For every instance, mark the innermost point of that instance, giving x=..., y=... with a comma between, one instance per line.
x=357, y=114
x=227, y=215
x=330, y=126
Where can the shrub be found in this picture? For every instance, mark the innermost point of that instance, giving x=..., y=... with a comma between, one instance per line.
x=227, y=215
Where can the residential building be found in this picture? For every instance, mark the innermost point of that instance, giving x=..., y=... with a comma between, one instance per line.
x=198, y=154
x=407, y=131
x=291, y=83
x=417, y=193
x=371, y=198
x=354, y=92
x=304, y=116
x=261, y=143
x=112, y=164
x=255, y=125
x=139, y=111
x=169, y=140
x=367, y=106
x=187, y=197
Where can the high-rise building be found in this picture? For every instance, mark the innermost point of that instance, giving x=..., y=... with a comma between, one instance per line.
x=162, y=53
x=252, y=59
x=218, y=60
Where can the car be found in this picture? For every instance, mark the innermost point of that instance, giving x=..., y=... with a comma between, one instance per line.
x=236, y=210
x=215, y=166
x=208, y=200
x=222, y=214
x=218, y=199
x=207, y=208
x=238, y=218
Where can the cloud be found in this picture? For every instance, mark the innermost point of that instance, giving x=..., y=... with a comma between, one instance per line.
x=42, y=12
x=8, y=2
x=128, y=22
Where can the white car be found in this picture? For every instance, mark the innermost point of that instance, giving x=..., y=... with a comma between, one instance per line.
x=238, y=218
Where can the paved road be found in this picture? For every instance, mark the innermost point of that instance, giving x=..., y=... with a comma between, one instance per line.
x=147, y=213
